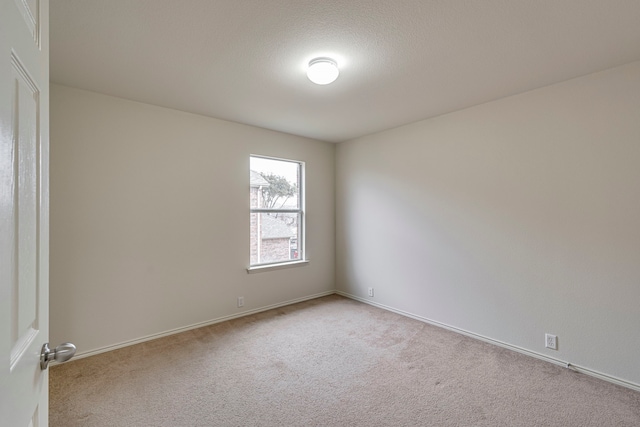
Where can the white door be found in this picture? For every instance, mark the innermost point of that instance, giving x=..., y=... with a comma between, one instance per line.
x=24, y=211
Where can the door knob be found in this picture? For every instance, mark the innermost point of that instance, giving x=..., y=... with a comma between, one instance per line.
x=61, y=353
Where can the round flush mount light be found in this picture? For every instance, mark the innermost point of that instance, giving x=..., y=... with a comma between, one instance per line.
x=323, y=71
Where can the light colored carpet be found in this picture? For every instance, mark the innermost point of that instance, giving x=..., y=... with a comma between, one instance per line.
x=329, y=362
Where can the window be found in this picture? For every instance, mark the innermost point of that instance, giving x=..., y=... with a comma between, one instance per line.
x=277, y=210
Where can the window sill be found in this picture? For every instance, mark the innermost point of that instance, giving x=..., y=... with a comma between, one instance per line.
x=279, y=266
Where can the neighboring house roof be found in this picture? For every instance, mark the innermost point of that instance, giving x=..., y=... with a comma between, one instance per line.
x=275, y=228
x=257, y=180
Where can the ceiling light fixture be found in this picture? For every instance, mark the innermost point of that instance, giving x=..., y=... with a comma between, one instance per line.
x=322, y=71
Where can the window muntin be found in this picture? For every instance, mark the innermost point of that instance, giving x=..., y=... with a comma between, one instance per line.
x=277, y=214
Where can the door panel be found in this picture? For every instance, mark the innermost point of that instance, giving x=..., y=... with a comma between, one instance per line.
x=30, y=10
x=24, y=320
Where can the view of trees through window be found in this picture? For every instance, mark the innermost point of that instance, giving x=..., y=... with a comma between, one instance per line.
x=276, y=211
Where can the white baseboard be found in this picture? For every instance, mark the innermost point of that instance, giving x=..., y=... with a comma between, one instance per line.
x=94, y=352
x=577, y=368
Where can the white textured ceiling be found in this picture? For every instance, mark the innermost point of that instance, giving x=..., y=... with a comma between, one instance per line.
x=401, y=60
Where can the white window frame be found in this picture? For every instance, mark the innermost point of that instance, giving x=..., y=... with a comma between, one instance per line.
x=301, y=226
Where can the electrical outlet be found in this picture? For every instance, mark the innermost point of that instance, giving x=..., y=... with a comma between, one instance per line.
x=370, y=292
x=240, y=301
x=551, y=341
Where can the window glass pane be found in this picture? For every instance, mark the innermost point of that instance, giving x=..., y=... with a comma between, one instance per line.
x=275, y=184
x=275, y=237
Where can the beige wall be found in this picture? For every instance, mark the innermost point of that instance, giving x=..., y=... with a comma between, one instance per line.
x=150, y=219
x=509, y=220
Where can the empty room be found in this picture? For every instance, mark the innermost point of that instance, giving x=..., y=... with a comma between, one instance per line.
x=320, y=213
